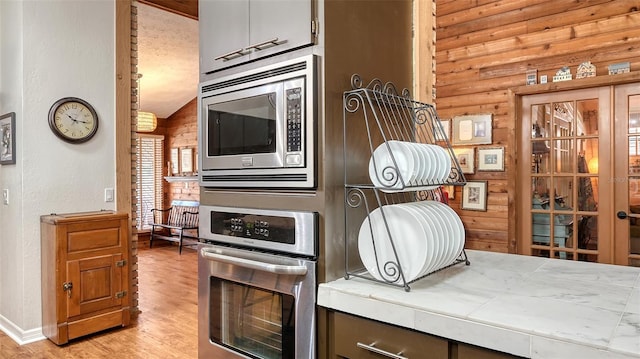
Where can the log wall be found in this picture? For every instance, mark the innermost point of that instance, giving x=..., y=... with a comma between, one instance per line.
x=182, y=131
x=485, y=47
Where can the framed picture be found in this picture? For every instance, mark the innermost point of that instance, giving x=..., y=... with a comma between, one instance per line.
x=175, y=161
x=491, y=159
x=472, y=129
x=446, y=124
x=186, y=160
x=474, y=196
x=8, y=136
x=466, y=159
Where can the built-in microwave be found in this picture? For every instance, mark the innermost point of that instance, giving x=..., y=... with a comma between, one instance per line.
x=258, y=128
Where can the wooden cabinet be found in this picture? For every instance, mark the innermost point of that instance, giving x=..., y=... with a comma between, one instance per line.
x=355, y=338
x=349, y=336
x=85, y=273
x=236, y=31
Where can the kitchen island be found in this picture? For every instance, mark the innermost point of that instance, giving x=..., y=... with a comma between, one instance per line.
x=526, y=306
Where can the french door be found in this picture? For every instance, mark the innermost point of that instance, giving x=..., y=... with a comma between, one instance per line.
x=577, y=180
x=626, y=177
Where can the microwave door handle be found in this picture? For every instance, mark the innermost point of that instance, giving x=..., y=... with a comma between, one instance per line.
x=257, y=265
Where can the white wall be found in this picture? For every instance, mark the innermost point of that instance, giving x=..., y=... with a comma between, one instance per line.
x=50, y=49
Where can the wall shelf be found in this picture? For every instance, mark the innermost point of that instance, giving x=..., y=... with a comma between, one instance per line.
x=172, y=179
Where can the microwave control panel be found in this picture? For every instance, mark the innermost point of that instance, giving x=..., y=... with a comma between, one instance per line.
x=294, y=119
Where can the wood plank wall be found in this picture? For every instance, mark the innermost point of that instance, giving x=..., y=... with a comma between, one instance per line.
x=182, y=131
x=485, y=47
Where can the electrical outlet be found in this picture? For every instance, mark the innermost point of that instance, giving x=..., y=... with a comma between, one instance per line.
x=108, y=194
x=5, y=196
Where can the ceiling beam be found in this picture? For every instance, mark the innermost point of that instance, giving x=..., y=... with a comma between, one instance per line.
x=188, y=8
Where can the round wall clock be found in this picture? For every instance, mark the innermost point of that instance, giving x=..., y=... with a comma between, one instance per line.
x=73, y=120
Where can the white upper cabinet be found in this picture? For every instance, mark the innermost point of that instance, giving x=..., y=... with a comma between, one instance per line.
x=236, y=31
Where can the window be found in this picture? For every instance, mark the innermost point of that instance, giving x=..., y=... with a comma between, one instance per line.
x=149, y=152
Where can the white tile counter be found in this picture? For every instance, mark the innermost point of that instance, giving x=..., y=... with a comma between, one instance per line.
x=527, y=306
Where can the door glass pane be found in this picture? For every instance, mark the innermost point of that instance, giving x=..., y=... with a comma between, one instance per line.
x=564, y=155
x=540, y=192
x=563, y=119
x=634, y=215
x=541, y=228
x=587, y=118
x=634, y=182
x=563, y=230
x=588, y=232
x=540, y=115
x=563, y=189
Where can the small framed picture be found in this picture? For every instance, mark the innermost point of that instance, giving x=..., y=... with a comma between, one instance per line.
x=186, y=160
x=472, y=129
x=8, y=139
x=491, y=159
x=466, y=159
x=175, y=161
x=444, y=134
x=474, y=196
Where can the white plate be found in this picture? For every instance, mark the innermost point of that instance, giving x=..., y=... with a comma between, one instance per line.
x=444, y=164
x=455, y=244
x=417, y=171
x=431, y=163
x=458, y=227
x=436, y=247
x=452, y=240
x=382, y=163
x=408, y=238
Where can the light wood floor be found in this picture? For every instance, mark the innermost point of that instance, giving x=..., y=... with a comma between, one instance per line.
x=165, y=328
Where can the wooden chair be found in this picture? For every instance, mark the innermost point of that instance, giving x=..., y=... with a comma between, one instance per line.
x=175, y=223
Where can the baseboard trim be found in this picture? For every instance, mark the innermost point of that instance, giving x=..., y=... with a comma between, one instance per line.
x=18, y=335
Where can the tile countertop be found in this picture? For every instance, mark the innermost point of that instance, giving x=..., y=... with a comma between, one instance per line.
x=527, y=306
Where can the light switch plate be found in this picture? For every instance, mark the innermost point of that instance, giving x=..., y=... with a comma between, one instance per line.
x=108, y=194
x=5, y=196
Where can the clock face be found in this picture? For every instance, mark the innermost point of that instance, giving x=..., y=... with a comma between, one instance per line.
x=73, y=120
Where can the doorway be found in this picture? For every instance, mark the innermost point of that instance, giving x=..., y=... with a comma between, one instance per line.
x=577, y=161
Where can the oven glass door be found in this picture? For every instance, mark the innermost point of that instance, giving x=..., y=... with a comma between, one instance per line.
x=243, y=128
x=255, y=305
x=256, y=322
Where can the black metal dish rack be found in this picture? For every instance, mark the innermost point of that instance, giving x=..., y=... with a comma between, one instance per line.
x=386, y=115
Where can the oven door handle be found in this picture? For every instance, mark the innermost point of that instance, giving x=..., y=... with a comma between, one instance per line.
x=252, y=264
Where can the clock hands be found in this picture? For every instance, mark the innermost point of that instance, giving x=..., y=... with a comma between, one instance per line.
x=75, y=120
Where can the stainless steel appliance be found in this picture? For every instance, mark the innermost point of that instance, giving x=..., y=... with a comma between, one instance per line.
x=257, y=283
x=257, y=128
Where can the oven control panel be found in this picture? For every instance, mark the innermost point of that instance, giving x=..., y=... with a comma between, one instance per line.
x=294, y=232
x=278, y=229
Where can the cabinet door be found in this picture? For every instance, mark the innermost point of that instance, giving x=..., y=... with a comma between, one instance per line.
x=96, y=284
x=224, y=33
x=278, y=26
x=358, y=338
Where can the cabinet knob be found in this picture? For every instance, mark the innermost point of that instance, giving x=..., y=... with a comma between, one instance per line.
x=67, y=288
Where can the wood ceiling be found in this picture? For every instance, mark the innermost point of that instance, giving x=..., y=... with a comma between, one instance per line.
x=188, y=8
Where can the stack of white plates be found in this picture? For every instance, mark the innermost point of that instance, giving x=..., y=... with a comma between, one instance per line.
x=426, y=235
x=395, y=165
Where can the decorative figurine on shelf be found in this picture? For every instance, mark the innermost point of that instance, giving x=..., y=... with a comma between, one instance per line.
x=586, y=69
x=564, y=74
x=619, y=68
x=532, y=76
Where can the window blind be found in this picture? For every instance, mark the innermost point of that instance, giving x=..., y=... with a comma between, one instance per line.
x=150, y=149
